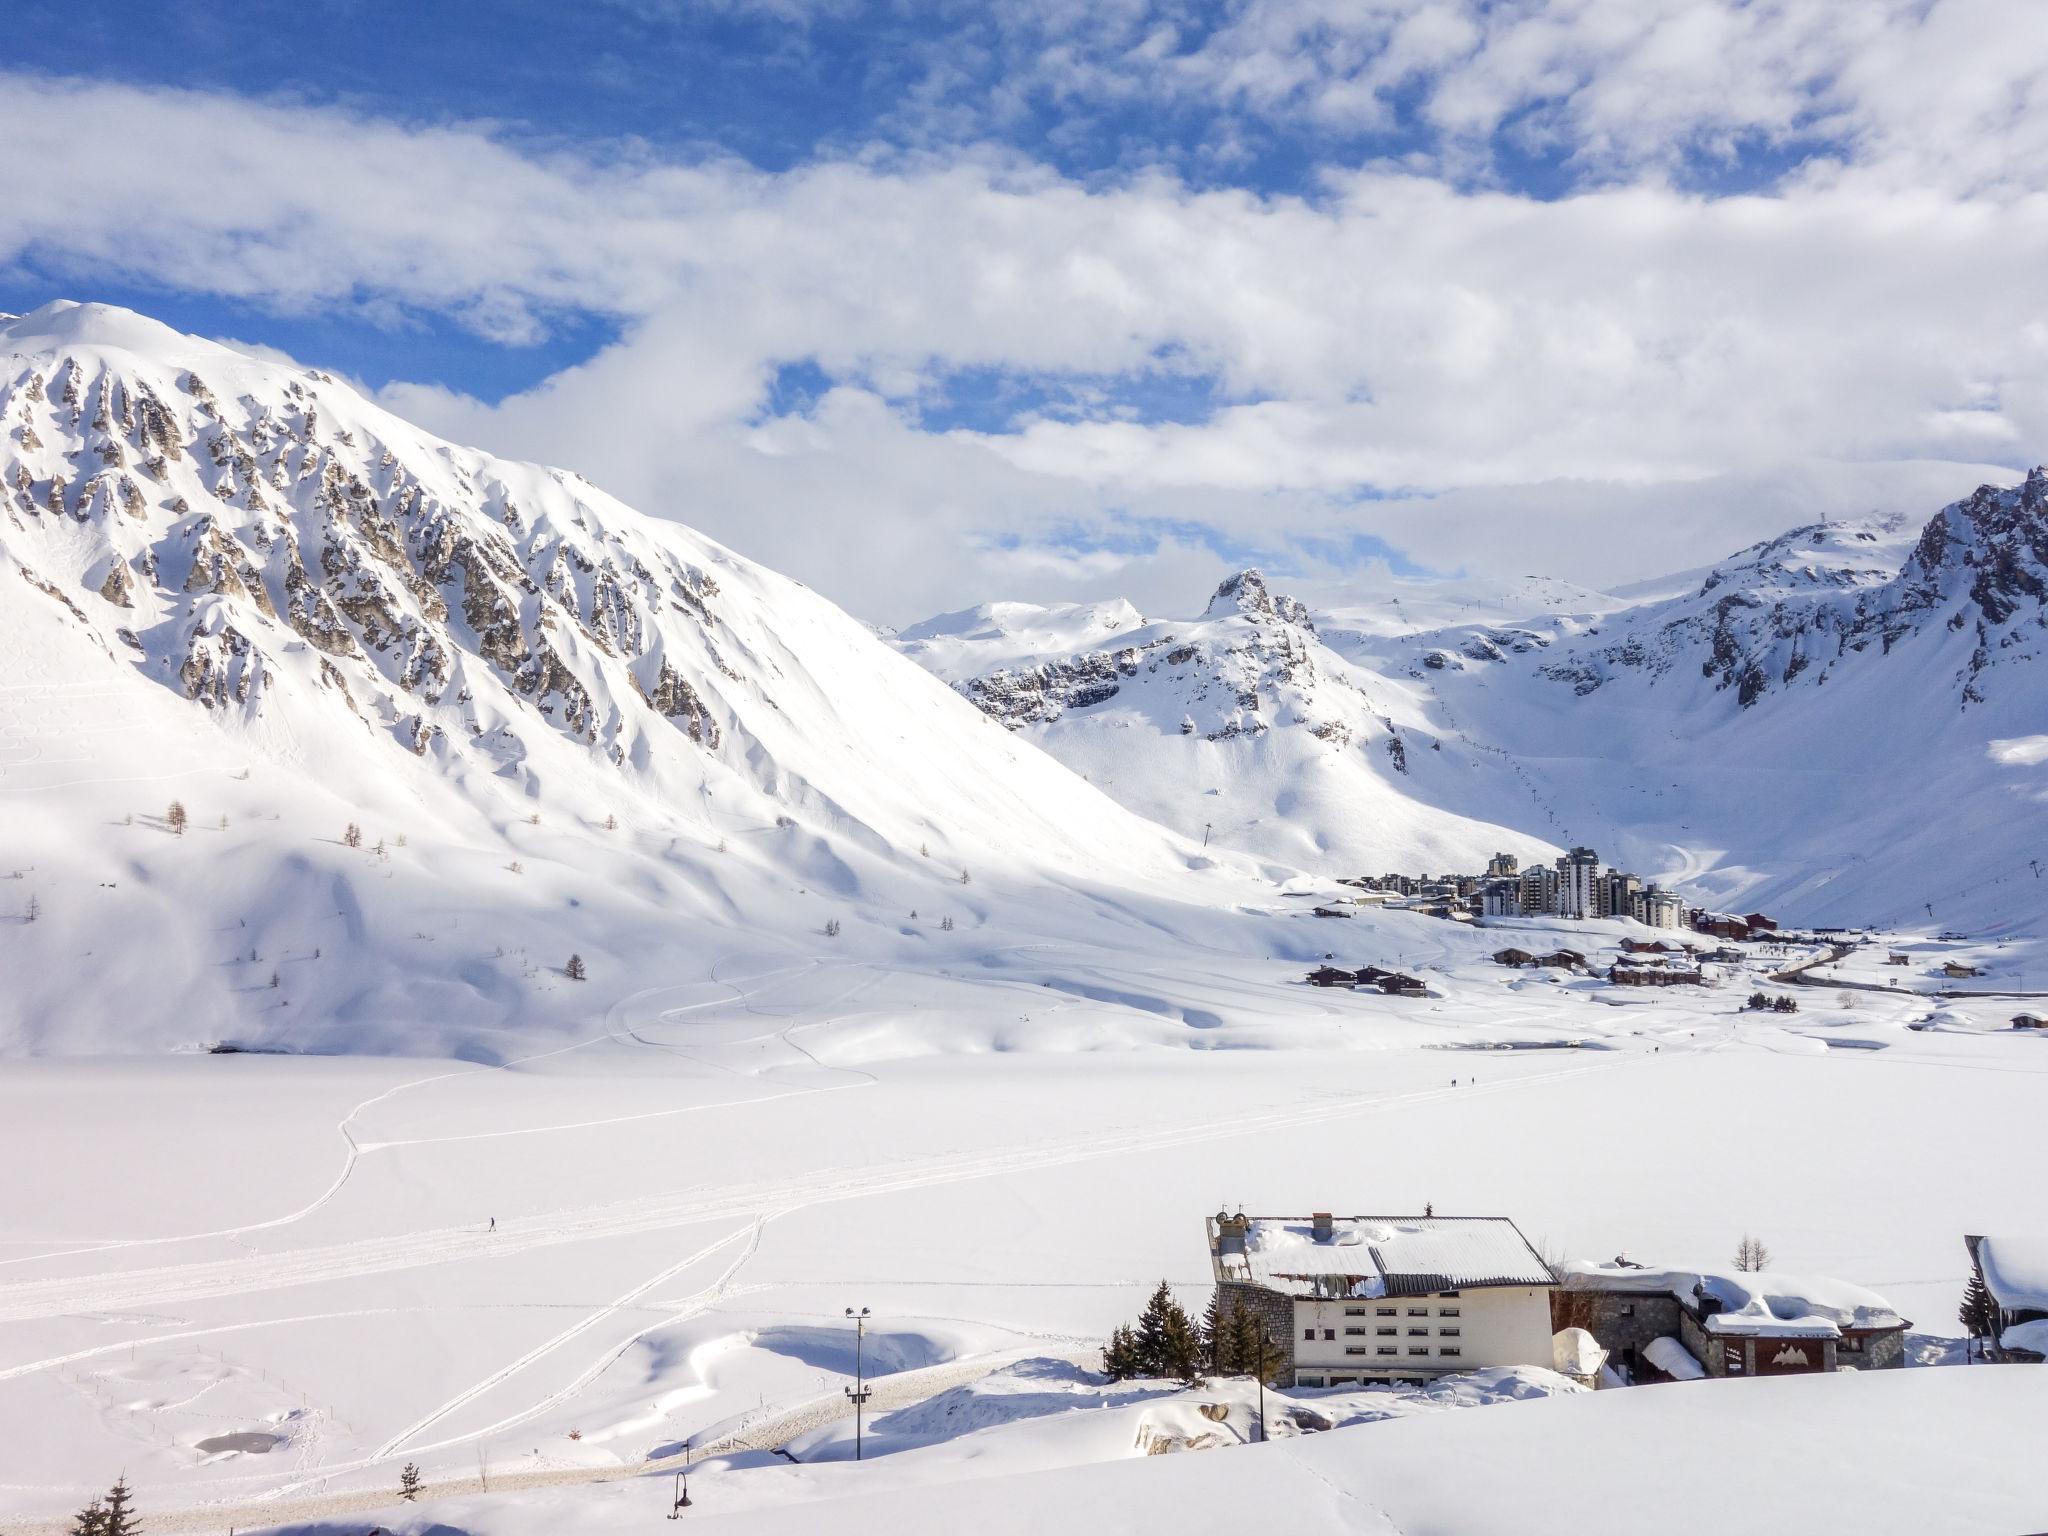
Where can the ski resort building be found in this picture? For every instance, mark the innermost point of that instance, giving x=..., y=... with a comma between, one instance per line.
x=2016, y=1275
x=1386, y=1298
x=1676, y=1325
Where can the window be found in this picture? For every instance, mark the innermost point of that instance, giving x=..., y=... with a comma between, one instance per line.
x=1384, y=1312
x=1447, y=1312
x=1387, y=1349
x=1354, y=1333
x=1450, y=1349
x=1447, y=1294
x=1354, y=1311
x=1851, y=1344
x=1628, y=1309
x=1309, y=1335
x=1418, y=1333
x=1418, y=1349
x=1447, y=1333
x=1354, y=1349
x=1329, y=1333
x=1418, y=1311
x=1387, y=1333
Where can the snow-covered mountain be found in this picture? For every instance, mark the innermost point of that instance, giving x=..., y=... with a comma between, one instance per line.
x=557, y=724
x=1845, y=721
x=1243, y=726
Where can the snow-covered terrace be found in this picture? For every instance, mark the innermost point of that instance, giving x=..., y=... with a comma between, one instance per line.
x=1384, y=1256
x=2016, y=1274
x=1753, y=1304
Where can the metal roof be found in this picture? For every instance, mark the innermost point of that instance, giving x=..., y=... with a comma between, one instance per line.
x=1381, y=1255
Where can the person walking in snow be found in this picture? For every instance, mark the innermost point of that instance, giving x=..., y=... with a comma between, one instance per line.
x=494, y=1223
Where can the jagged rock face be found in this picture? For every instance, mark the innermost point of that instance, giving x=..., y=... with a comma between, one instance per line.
x=1228, y=669
x=232, y=527
x=1247, y=593
x=1828, y=595
x=1041, y=694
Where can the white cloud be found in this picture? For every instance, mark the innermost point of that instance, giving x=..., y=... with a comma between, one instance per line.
x=1606, y=358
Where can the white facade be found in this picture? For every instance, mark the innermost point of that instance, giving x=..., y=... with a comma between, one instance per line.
x=1578, y=883
x=1658, y=908
x=1414, y=1337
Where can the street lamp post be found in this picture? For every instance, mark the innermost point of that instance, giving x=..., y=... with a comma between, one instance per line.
x=859, y=1392
x=682, y=1502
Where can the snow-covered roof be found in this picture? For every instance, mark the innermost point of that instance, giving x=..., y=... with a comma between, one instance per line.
x=2032, y=1337
x=1383, y=1255
x=2015, y=1271
x=1673, y=1359
x=1758, y=1304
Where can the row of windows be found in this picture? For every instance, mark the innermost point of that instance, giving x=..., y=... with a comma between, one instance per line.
x=1396, y=1311
x=1385, y=1332
x=1448, y=1350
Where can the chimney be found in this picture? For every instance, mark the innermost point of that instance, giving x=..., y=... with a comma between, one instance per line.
x=1322, y=1227
x=1230, y=1232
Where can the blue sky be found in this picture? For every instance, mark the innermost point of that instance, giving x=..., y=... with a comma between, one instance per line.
x=932, y=303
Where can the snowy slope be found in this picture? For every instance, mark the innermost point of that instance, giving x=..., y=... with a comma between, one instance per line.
x=1841, y=723
x=1241, y=725
x=560, y=726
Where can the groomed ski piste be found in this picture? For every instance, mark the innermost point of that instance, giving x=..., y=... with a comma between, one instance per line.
x=319, y=1162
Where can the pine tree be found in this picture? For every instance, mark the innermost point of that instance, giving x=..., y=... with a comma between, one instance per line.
x=90, y=1521
x=1120, y=1354
x=1250, y=1344
x=1168, y=1343
x=1183, y=1356
x=409, y=1483
x=121, y=1519
x=35, y=908
x=351, y=836
x=175, y=818
x=1978, y=1313
x=574, y=969
x=1216, y=1337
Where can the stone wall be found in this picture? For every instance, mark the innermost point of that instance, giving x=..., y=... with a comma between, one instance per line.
x=1276, y=1312
x=1622, y=1323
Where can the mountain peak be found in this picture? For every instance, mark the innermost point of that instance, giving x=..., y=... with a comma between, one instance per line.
x=66, y=323
x=1246, y=592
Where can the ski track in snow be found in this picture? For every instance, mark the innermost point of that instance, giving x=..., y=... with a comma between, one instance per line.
x=355, y=1150
x=755, y=1205
x=129, y=1290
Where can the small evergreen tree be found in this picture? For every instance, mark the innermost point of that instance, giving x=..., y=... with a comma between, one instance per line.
x=1216, y=1336
x=832, y=928
x=1252, y=1350
x=351, y=836
x=175, y=818
x=611, y=823
x=946, y=924
x=409, y=1483
x=35, y=908
x=121, y=1519
x=1168, y=1342
x=574, y=969
x=1120, y=1354
x=1978, y=1313
x=90, y=1521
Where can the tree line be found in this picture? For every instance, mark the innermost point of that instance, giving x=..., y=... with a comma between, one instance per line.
x=1166, y=1342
